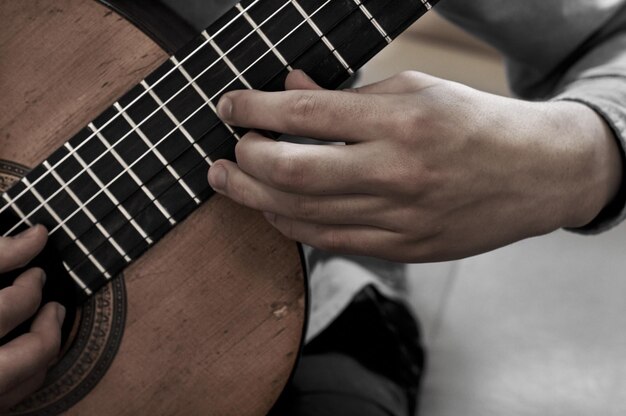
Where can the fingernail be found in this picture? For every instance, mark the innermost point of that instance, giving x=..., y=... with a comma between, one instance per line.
x=218, y=177
x=28, y=233
x=60, y=314
x=225, y=107
x=42, y=275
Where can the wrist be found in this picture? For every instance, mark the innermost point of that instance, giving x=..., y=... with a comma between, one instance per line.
x=594, y=161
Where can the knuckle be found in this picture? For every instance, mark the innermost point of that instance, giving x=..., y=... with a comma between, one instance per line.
x=413, y=123
x=304, y=106
x=242, y=195
x=334, y=241
x=409, y=78
x=305, y=207
x=395, y=180
x=287, y=171
x=286, y=227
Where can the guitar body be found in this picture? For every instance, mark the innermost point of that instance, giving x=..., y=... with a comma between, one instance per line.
x=210, y=319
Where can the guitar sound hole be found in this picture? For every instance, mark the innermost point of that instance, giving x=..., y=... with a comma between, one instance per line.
x=91, y=333
x=59, y=286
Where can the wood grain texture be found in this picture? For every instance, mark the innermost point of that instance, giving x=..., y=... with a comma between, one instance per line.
x=216, y=308
x=61, y=63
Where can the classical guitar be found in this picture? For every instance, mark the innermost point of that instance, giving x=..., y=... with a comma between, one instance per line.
x=180, y=302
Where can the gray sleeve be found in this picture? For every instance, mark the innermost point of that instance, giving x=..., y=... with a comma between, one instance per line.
x=560, y=50
x=598, y=79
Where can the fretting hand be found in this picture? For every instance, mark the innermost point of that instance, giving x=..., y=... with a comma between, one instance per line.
x=433, y=170
x=25, y=359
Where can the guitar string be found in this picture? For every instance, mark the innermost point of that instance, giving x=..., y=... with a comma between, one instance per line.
x=151, y=148
x=147, y=91
x=172, y=216
x=191, y=115
x=243, y=72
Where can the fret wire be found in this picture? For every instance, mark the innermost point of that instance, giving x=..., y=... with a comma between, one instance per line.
x=69, y=232
x=174, y=119
x=156, y=152
x=319, y=33
x=2, y=209
x=167, y=101
x=108, y=193
x=71, y=271
x=127, y=169
x=373, y=20
x=226, y=60
x=172, y=216
x=240, y=74
x=18, y=211
x=262, y=35
x=206, y=99
x=197, y=110
x=77, y=279
x=89, y=214
x=219, y=92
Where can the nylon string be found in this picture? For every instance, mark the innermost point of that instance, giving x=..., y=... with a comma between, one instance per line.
x=32, y=184
x=121, y=112
x=181, y=122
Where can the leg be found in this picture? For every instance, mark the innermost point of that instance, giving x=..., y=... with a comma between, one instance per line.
x=368, y=362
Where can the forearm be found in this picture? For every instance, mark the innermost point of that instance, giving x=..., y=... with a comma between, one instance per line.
x=572, y=50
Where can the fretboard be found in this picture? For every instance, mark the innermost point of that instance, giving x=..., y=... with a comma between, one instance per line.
x=121, y=183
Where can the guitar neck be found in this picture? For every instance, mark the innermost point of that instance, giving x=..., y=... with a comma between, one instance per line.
x=121, y=183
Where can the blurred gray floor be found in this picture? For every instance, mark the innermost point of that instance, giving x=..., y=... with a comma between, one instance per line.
x=536, y=328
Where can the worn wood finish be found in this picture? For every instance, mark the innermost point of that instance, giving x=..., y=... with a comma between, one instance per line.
x=216, y=308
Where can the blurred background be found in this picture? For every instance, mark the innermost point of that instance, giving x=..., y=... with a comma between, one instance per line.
x=535, y=328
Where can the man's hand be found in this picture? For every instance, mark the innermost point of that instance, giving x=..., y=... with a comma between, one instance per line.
x=24, y=360
x=432, y=170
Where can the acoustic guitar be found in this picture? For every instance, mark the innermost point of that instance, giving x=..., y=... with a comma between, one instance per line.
x=179, y=301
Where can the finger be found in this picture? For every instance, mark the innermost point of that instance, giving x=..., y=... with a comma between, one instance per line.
x=21, y=300
x=346, y=239
x=19, y=393
x=325, y=209
x=301, y=168
x=320, y=114
x=404, y=82
x=17, y=251
x=299, y=80
x=31, y=353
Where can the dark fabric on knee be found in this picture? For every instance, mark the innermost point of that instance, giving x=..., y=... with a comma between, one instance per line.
x=369, y=360
x=336, y=384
